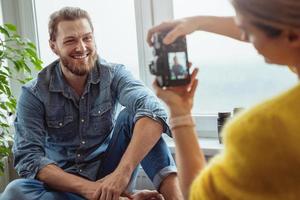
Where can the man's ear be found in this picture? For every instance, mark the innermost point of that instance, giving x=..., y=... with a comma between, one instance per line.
x=293, y=38
x=53, y=46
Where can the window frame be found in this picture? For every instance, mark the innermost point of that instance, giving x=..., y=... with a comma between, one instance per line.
x=206, y=124
x=147, y=14
x=20, y=13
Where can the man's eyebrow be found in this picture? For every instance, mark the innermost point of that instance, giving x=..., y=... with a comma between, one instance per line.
x=69, y=37
x=87, y=34
x=73, y=36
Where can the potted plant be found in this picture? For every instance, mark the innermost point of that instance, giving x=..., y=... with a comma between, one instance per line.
x=17, y=57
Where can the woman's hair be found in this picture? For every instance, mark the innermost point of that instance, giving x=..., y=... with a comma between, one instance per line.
x=271, y=16
x=66, y=14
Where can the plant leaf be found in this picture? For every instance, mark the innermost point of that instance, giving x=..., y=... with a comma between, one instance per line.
x=31, y=45
x=31, y=52
x=4, y=31
x=11, y=27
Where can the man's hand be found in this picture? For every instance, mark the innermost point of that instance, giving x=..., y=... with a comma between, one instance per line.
x=144, y=195
x=110, y=187
x=147, y=195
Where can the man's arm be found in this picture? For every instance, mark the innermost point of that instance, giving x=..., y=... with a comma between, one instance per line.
x=28, y=147
x=145, y=135
x=150, y=122
x=137, y=98
x=29, y=153
x=50, y=175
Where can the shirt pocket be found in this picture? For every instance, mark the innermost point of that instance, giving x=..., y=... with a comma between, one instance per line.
x=60, y=126
x=101, y=119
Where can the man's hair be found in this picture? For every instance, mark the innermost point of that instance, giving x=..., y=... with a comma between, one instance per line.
x=66, y=14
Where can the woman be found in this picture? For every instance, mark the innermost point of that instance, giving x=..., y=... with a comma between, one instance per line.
x=261, y=157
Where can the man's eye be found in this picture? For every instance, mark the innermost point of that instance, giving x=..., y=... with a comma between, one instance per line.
x=88, y=39
x=69, y=41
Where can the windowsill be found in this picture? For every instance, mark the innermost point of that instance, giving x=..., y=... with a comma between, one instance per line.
x=210, y=146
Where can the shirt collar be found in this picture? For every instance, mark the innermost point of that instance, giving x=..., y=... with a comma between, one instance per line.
x=58, y=84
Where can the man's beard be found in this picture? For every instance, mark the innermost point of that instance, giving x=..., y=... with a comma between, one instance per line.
x=79, y=68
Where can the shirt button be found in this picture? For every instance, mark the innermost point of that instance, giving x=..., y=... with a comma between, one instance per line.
x=80, y=170
x=82, y=120
x=82, y=97
x=99, y=112
x=78, y=155
x=83, y=142
x=60, y=124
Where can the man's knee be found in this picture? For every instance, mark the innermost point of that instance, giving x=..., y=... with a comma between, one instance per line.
x=125, y=119
x=126, y=115
x=15, y=190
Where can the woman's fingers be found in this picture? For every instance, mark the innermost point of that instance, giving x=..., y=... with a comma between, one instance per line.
x=193, y=77
x=194, y=73
x=193, y=88
x=165, y=26
x=174, y=34
x=158, y=90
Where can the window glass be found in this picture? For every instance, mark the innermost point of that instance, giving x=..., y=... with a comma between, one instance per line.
x=1, y=17
x=114, y=23
x=232, y=74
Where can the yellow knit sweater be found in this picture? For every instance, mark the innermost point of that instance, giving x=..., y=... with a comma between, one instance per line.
x=261, y=158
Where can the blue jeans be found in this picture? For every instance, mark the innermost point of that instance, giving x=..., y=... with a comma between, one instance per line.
x=158, y=164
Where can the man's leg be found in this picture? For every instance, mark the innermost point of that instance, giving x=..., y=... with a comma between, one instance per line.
x=157, y=164
x=32, y=189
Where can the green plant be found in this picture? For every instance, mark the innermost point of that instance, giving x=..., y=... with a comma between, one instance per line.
x=17, y=57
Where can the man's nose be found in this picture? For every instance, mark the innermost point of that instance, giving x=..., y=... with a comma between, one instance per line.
x=80, y=46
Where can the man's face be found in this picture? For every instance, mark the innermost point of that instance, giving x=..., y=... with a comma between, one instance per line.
x=75, y=45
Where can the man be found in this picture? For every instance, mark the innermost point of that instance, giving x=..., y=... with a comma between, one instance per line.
x=67, y=143
x=177, y=69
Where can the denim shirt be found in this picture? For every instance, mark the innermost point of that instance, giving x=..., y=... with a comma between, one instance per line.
x=55, y=126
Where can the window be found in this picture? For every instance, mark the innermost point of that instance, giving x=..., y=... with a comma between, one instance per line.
x=232, y=74
x=1, y=16
x=114, y=23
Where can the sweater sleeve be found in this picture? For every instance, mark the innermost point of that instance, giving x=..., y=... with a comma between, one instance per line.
x=248, y=168
x=204, y=186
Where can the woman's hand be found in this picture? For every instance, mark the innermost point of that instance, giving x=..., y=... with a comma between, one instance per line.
x=176, y=28
x=179, y=99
